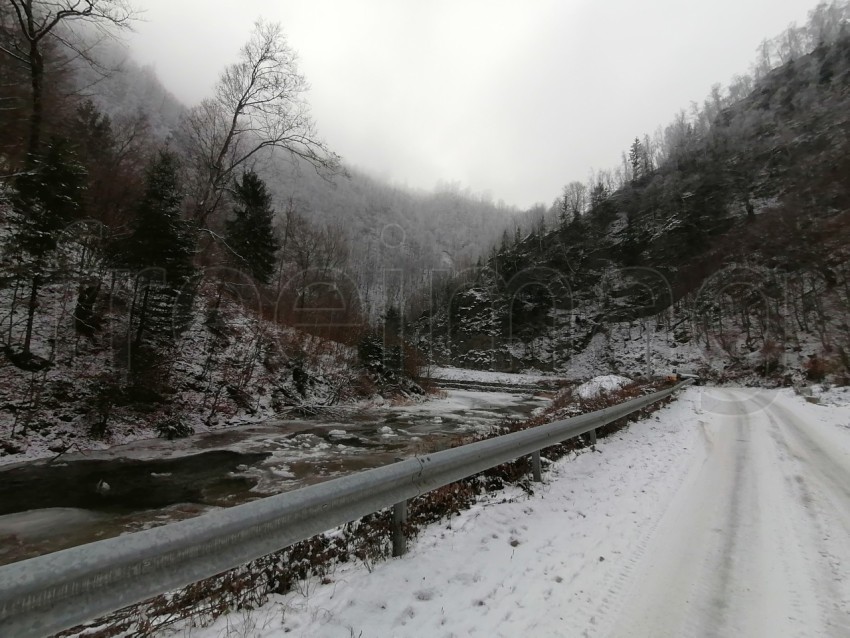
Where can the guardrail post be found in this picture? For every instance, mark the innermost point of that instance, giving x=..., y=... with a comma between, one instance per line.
x=399, y=521
x=592, y=434
x=535, y=467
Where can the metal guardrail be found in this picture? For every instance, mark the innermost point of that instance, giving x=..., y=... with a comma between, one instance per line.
x=47, y=594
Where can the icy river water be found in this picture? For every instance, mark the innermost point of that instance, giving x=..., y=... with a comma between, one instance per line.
x=46, y=506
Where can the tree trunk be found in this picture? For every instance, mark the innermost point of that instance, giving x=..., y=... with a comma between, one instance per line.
x=12, y=313
x=36, y=116
x=142, y=318
x=36, y=281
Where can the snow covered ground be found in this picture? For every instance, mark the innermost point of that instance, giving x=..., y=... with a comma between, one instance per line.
x=605, y=383
x=727, y=513
x=468, y=405
x=486, y=376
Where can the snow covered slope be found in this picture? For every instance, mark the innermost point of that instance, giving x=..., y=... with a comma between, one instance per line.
x=727, y=513
x=485, y=376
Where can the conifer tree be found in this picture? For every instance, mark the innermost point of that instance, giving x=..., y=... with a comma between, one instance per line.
x=250, y=233
x=636, y=159
x=160, y=238
x=505, y=242
x=159, y=249
x=598, y=195
x=47, y=198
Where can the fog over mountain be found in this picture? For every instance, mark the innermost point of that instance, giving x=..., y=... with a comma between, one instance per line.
x=477, y=91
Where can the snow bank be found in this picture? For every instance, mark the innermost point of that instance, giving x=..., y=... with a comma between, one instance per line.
x=837, y=396
x=486, y=376
x=598, y=385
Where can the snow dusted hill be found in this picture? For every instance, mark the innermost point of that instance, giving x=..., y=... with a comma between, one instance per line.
x=228, y=367
x=725, y=512
x=729, y=257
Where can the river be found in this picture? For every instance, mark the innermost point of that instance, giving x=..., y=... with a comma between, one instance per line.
x=50, y=505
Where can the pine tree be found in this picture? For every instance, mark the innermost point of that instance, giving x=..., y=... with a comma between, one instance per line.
x=110, y=189
x=47, y=198
x=503, y=248
x=160, y=238
x=636, y=159
x=251, y=232
x=598, y=195
x=159, y=249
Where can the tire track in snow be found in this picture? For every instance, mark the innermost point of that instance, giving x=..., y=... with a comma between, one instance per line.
x=672, y=592
x=580, y=601
x=619, y=584
x=789, y=538
x=812, y=482
x=729, y=558
x=819, y=459
x=778, y=599
x=716, y=576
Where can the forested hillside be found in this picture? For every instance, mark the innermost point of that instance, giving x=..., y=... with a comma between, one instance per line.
x=722, y=245
x=167, y=268
x=394, y=237
x=350, y=222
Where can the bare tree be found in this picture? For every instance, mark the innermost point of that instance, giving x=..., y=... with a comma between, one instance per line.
x=740, y=87
x=573, y=201
x=826, y=20
x=790, y=45
x=303, y=251
x=258, y=104
x=36, y=23
x=764, y=63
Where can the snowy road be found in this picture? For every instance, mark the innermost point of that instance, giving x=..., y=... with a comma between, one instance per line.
x=756, y=541
x=728, y=514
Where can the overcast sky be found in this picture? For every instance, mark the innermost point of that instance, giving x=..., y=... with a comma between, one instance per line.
x=514, y=98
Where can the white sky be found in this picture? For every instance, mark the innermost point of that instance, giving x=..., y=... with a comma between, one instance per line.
x=514, y=98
